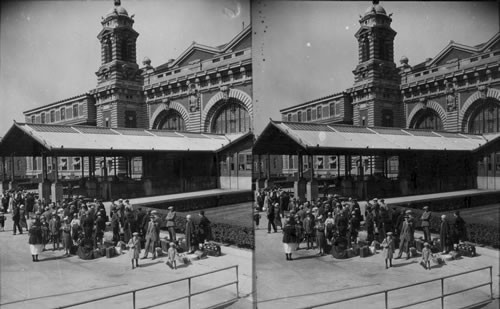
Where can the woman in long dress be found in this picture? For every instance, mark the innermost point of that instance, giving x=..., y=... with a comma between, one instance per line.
x=134, y=245
x=35, y=239
x=66, y=236
x=289, y=238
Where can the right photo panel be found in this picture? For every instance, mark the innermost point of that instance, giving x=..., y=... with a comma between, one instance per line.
x=377, y=154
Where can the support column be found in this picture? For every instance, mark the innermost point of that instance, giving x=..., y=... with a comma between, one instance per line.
x=12, y=183
x=312, y=185
x=4, y=175
x=268, y=182
x=260, y=182
x=299, y=186
x=91, y=183
x=56, y=187
x=44, y=187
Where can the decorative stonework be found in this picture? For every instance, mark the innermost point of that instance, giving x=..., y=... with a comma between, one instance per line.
x=423, y=106
x=172, y=105
x=468, y=106
x=209, y=110
x=194, y=97
x=451, y=98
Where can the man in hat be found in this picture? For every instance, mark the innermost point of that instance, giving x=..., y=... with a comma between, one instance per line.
x=406, y=236
x=425, y=223
x=171, y=215
x=388, y=249
x=16, y=218
x=152, y=236
x=270, y=219
x=204, y=229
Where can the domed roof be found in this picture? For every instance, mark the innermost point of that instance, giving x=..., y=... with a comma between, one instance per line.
x=119, y=10
x=375, y=7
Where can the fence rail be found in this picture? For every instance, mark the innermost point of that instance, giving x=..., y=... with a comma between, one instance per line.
x=442, y=296
x=188, y=296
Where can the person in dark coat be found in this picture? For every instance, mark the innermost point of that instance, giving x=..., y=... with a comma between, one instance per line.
x=204, y=229
x=16, y=218
x=370, y=226
x=320, y=235
x=190, y=234
x=444, y=235
x=170, y=218
x=270, y=218
x=406, y=237
x=289, y=237
x=35, y=239
x=66, y=235
x=459, y=230
x=88, y=225
x=55, y=231
x=115, y=225
x=100, y=228
x=152, y=236
x=425, y=223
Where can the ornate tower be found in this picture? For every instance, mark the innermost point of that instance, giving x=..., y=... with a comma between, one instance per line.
x=376, y=80
x=119, y=84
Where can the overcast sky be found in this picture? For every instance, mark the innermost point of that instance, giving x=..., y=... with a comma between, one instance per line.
x=305, y=50
x=49, y=49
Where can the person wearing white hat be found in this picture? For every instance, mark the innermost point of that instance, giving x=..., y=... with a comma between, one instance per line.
x=134, y=245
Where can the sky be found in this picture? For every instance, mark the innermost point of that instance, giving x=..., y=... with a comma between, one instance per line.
x=303, y=50
x=49, y=50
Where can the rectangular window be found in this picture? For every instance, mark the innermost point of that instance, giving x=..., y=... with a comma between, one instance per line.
x=35, y=165
x=137, y=166
x=52, y=116
x=63, y=113
x=238, y=54
x=290, y=161
x=299, y=116
x=63, y=165
x=80, y=109
x=332, y=162
x=33, y=119
x=319, y=163
x=77, y=164
x=338, y=107
x=318, y=112
x=75, y=110
x=249, y=162
x=332, y=109
x=42, y=118
x=289, y=117
x=130, y=119
x=308, y=113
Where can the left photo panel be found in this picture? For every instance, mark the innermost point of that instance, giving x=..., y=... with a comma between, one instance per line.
x=126, y=138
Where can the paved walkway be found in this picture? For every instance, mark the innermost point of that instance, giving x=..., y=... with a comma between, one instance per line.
x=311, y=279
x=56, y=281
x=148, y=200
x=435, y=196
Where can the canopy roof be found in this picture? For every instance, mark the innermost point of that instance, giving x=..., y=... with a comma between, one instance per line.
x=310, y=138
x=24, y=139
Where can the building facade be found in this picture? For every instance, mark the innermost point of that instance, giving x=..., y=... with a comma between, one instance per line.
x=456, y=91
x=205, y=89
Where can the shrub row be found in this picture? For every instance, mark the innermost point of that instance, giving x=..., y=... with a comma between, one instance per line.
x=478, y=233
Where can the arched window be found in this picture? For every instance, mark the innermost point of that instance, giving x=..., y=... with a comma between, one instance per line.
x=125, y=53
x=365, y=50
x=486, y=119
x=107, y=51
x=430, y=120
x=172, y=121
x=231, y=118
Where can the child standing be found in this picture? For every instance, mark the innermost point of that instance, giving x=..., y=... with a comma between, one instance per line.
x=256, y=217
x=426, y=256
x=134, y=245
x=2, y=221
x=388, y=249
x=172, y=256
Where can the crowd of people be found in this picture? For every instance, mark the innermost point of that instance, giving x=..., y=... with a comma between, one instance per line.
x=84, y=224
x=333, y=223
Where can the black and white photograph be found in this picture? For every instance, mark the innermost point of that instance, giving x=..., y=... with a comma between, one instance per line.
x=126, y=134
x=377, y=159
x=249, y=154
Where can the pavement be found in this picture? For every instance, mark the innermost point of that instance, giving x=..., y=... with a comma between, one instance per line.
x=57, y=281
x=311, y=279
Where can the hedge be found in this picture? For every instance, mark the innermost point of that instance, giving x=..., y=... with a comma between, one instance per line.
x=478, y=233
x=242, y=237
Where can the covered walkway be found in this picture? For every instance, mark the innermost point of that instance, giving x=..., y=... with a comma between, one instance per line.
x=117, y=162
x=382, y=162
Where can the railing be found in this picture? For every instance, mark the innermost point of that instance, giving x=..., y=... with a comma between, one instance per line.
x=189, y=296
x=442, y=296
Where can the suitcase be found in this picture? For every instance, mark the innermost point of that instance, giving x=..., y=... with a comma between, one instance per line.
x=338, y=253
x=108, y=243
x=159, y=251
x=97, y=253
x=419, y=244
x=201, y=254
x=364, y=251
x=212, y=249
x=73, y=249
x=110, y=252
x=350, y=253
x=356, y=250
x=413, y=252
x=102, y=251
x=436, y=259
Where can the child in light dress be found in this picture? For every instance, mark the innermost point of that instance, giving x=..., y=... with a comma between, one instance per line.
x=172, y=256
x=426, y=256
x=388, y=249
